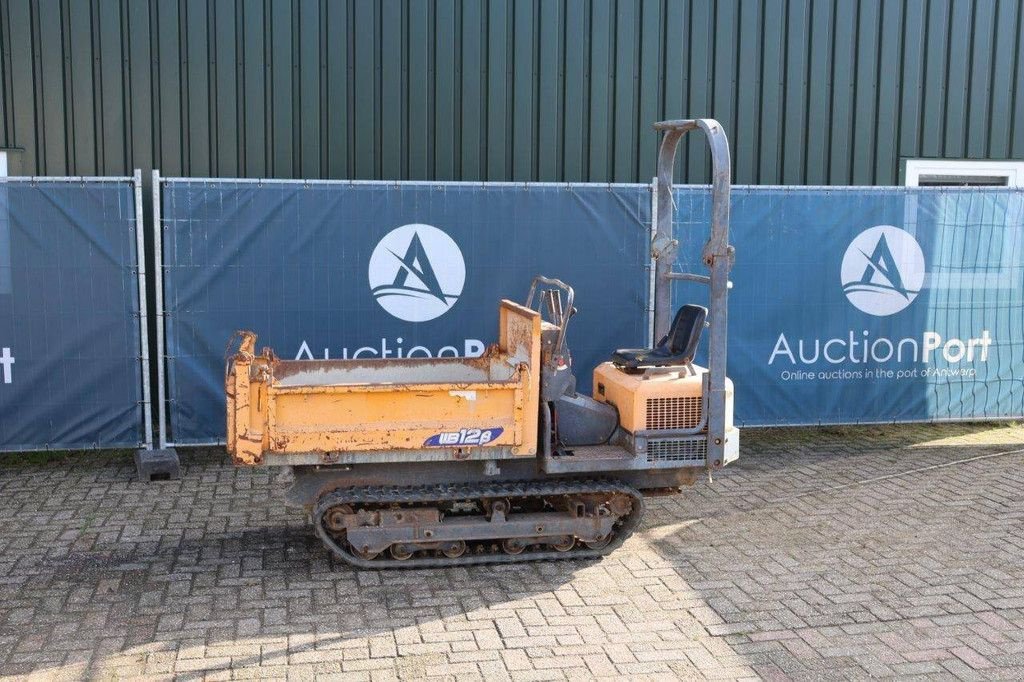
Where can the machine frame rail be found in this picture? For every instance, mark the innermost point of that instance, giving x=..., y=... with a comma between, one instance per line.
x=418, y=496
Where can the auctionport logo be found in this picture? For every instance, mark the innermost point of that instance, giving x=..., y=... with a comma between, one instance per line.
x=882, y=273
x=883, y=270
x=417, y=272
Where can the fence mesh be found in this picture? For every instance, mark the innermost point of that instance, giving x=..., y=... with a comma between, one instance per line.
x=870, y=304
x=373, y=270
x=70, y=373
x=850, y=305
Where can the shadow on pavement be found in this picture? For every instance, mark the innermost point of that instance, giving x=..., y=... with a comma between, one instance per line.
x=98, y=567
x=860, y=551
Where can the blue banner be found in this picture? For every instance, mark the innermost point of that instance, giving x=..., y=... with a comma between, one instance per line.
x=869, y=304
x=849, y=305
x=70, y=376
x=377, y=270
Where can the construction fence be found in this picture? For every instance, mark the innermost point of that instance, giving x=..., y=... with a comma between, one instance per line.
x=72, y=323
x=849, y=305
x=854, y=305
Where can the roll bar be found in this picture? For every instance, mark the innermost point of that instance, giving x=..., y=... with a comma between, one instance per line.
x=717, y=255
x=560, y=314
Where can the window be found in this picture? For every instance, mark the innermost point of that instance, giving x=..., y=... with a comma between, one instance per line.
x=3, y=164
x=955, y=173
x=957, y=229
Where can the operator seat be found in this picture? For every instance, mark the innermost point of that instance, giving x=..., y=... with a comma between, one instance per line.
x=676, y=349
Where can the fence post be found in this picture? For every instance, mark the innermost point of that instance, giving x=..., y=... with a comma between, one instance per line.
x=163, y=462
x=140, y=248
x=158, y=258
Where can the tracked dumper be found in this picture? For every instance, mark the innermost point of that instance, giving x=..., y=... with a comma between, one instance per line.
x=450, y=461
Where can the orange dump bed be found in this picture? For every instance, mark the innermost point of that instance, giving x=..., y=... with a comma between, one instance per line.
x=409, y=409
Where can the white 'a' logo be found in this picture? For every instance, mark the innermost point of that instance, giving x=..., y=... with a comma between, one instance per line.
x=417, y=272
x=883, y=270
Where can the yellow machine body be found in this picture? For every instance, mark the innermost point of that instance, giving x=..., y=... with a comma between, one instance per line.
x=656, y=400
x=664, y=412
x=314, y=412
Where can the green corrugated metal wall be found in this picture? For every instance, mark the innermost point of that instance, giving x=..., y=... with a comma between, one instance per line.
x=810, y=91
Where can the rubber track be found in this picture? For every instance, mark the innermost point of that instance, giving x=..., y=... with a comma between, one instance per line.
x=444, y=493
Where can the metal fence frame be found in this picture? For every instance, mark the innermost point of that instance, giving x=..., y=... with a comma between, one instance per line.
x=160, y=312
x=135, y=180
x=140, y=256
x=162, y=401
x=161, y=435
x=161, y=382
x=910, y=195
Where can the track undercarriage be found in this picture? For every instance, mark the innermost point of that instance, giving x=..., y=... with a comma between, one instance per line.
x=476, y=523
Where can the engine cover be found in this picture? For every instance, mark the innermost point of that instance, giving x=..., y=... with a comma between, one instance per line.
x=657, y=399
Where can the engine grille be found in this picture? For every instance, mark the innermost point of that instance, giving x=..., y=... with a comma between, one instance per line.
x=673, y=413
x=677, y=450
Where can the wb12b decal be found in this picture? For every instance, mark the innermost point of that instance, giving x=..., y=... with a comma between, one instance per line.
x=464, y=437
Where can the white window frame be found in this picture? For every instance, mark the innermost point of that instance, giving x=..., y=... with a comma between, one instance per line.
x=5, y=236
x=1013, y=171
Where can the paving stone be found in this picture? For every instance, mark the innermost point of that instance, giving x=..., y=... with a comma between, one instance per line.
x=820, y=554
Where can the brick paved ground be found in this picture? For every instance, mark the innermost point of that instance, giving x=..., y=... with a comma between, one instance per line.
x=823, y=553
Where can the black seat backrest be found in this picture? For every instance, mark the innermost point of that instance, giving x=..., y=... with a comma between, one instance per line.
x=686, y=329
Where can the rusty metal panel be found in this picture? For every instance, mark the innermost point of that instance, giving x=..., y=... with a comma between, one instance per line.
x=459, y=407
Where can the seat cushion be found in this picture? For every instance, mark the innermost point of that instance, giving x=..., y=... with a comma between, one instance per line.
x=647, y=357
x=676, y=349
